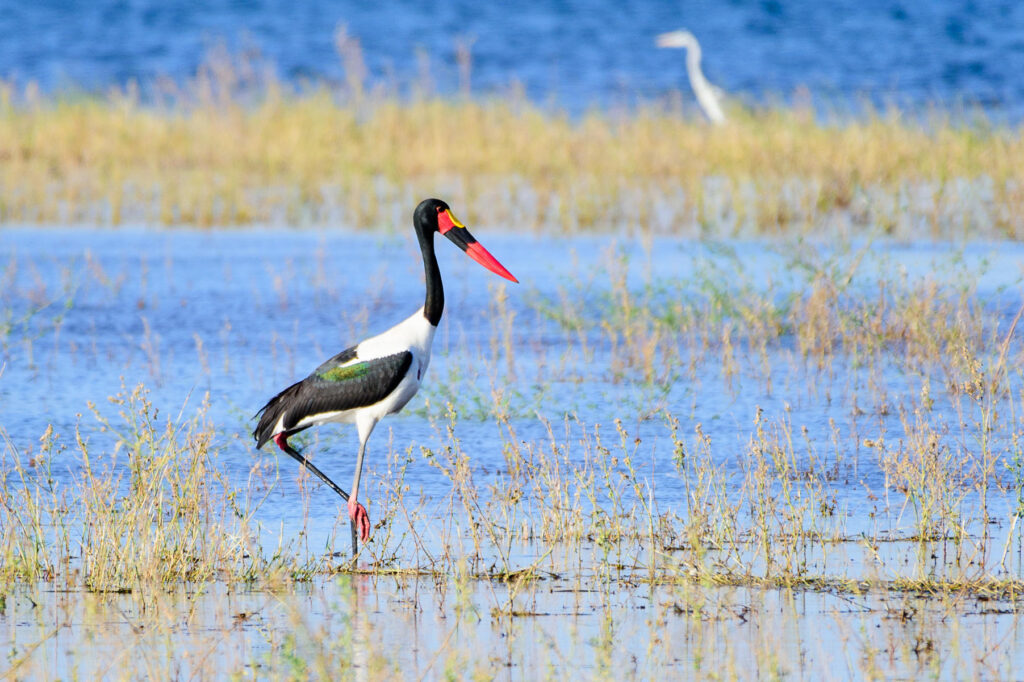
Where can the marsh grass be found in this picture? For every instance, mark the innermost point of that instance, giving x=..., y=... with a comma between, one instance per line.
x=158, y=509
x=151, y=507
x=235, y=146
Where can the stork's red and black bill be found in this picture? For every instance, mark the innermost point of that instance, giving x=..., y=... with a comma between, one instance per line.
x=458, y=234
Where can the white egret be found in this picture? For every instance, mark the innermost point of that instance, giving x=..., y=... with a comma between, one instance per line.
x=707, y=94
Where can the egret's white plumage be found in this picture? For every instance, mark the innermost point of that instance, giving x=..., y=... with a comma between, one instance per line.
x=707, y=94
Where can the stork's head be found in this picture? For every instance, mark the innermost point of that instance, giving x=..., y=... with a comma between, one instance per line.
x=434, y=215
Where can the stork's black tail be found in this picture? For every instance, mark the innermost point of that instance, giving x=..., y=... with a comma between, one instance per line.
x=271, y=413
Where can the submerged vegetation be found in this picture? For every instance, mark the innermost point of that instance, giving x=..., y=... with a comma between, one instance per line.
x=235, y=146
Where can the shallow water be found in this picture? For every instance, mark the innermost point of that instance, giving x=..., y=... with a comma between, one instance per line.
x=239, y=315
x=371, y=629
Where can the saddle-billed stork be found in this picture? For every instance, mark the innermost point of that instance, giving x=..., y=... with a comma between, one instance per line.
x=378, y=376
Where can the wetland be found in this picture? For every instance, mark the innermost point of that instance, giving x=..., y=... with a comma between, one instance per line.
x=657, y=456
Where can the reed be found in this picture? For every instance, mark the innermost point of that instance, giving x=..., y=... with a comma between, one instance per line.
x=234, y=146
x=152, y=507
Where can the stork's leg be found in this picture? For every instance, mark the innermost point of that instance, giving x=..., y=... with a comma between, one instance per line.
x=357, y=512
x=281, y=440
x=360, y=520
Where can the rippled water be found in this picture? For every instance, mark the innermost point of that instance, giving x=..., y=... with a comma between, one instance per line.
x=948, y=51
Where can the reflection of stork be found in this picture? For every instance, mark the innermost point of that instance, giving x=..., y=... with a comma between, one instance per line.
x=707, y=94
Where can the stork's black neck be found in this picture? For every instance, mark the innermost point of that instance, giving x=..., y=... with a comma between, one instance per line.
x=433, y=306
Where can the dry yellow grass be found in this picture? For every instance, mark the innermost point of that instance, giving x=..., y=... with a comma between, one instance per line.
x=204, y=156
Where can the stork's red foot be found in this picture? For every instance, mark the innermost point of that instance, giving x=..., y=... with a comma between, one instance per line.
x=357, y=513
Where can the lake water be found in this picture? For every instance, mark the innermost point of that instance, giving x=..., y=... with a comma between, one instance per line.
x=580, y=54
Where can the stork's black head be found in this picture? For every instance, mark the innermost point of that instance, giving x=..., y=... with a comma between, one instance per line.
x=425, y=216
x=434, y=215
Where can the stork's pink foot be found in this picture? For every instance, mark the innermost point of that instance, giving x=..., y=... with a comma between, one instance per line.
x=357, y=513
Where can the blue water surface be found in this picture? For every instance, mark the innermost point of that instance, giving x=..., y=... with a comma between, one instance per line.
x=575, y=54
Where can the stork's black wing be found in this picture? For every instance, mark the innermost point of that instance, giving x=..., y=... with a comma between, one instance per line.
x=333, y=387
